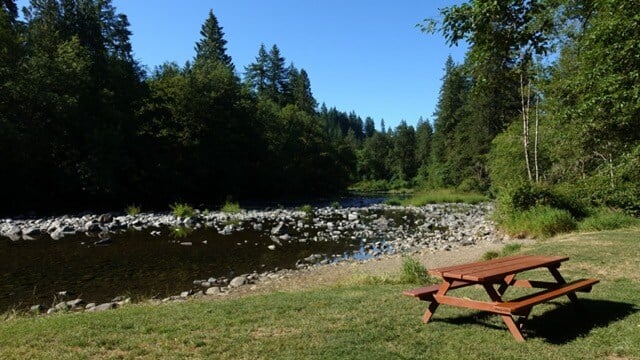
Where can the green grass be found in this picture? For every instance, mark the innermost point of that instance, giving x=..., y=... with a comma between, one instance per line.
x=132, y=210
x=439, y=197
x=507, y=250
x=538, y=222
x=607, y=220
x=231, y=208
x=361, y=321
x=182, y=210
x=413, y=272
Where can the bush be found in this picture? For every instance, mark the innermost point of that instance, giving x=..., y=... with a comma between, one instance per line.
x=443, y=196
x=508, y=250
x=231, y=207
x=540, y=221
x=132, y=210
x=605, y=219
x=307, y=209
x=413, y=272
x=182, y=210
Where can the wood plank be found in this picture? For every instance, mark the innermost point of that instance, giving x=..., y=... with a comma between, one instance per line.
x=428, y=291
x=501, y=271
x=463, y=267
x=470, y=304
x=523, y=303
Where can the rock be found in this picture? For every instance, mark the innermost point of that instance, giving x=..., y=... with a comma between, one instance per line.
x=213, y=291
x=75, y=304
x=205, y=284
x=105, y=241
x=186, y=243
x=57, y=234
x=103, y=307
x=92, y=227
x=37, y=309
x=31, y=232
x=238, y=281
x=352, y=216
x=62, y=306
x=285, y=237
x=271, y=247
x=279, y=229
x=105, y=218
x=90, y=306
x=187, y=293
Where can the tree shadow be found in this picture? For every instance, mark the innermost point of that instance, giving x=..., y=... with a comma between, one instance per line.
x=562, y=324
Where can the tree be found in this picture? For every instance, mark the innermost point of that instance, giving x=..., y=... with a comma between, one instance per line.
x=301, y=95
x=369, y=127
x=212, y=45
x=404, y=151
x=256, y=73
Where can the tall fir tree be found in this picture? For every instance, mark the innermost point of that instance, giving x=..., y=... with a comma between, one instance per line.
x=212, y=45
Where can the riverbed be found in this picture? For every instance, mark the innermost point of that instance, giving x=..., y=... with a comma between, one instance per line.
x=97, y=257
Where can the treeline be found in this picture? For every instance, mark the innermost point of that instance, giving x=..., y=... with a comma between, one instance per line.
x=83, y=125
x=545, y=109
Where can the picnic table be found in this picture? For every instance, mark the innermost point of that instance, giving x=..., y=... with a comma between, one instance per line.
x=496, y=277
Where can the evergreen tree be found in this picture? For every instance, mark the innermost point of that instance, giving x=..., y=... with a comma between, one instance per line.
x=369, y=127
x=404, y=152
x=277, y=76
x=256, y=73
x=212, y=45
x=301, y=95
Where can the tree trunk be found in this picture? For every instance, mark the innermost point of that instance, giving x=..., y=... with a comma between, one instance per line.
x=525, y=123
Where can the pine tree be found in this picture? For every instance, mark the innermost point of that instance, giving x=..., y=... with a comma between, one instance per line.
x=300, y=86
x=256, y=73
x=277, y=76
x=212, y=44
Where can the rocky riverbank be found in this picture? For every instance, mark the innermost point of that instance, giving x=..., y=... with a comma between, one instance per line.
x=382, y=230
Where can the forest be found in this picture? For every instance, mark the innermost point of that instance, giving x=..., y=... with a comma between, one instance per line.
x=544, y=110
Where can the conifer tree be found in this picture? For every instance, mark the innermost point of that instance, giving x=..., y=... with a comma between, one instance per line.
x=212, y=44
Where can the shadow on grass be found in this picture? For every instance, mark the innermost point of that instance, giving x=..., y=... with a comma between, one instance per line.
x=562, y=324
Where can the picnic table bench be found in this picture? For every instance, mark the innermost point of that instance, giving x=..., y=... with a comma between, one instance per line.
x=496, y=276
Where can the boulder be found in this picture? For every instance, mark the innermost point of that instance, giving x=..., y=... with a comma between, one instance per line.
x=213, y=291
x=238, y=281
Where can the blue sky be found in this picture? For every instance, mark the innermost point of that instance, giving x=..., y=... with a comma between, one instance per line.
x=365, y=56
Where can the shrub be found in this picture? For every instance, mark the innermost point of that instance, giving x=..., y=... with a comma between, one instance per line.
x=307, y=209
x=508, y=250
x=607, y=220
x=132, y=210
x=413, y=272
x=335, y=205
x=182, y=210
x=231, y=208
x=540, y=221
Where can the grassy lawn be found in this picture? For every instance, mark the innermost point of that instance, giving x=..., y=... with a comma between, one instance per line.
x=361, y=321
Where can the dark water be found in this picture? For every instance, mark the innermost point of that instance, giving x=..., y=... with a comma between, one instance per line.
x=138, y=264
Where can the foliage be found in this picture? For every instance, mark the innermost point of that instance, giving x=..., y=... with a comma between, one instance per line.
x=230, y=207
x=606, y=219
x=442, y=196
x=307, y=209
x=538, y=222
x=182, y=210
x=507, y=250
x=413, y=272
x=132, y=210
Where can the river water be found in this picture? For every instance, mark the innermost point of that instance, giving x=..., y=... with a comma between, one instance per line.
x=140, y=265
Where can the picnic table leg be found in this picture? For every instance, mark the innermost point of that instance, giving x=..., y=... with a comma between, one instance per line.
x=514, y=328
x=444, y=287
x=506, y=283
x=430, y=310
x=556, y=275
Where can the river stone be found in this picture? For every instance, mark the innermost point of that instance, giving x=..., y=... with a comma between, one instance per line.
x=271, y=247
x=31, y=232
x=238, y=281
x=213, y=291
x=105, y=218
x=37, y=309
x=105, y=241
x=61, y=306
x=74, y=304
x=352, y=216
x=103, y=307
x=57, y=234
x=92, y=226
x=279, y=229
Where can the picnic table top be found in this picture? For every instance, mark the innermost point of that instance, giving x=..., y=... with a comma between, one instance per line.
x=497, y=268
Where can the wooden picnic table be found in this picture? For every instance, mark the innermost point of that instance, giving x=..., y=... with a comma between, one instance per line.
x=496, y=277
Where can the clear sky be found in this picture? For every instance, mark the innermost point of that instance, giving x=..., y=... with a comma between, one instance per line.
x=361, y=55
